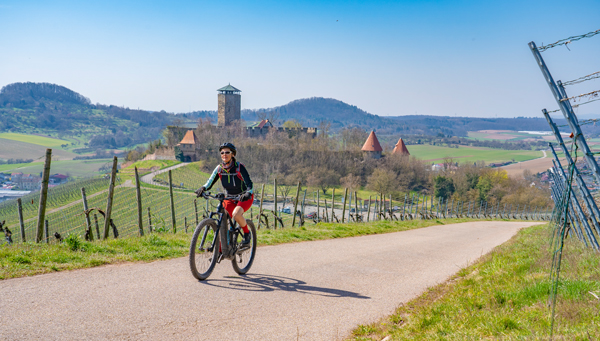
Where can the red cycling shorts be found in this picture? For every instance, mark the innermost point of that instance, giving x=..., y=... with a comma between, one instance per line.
x=230, y=205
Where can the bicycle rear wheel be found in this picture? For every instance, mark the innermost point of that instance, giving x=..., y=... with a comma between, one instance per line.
x=204, y=249
x=242, y=262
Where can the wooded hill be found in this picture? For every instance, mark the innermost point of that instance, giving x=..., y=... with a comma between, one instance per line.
x=50, y=108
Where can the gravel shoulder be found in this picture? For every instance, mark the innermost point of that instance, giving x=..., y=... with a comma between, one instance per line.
x=303, y=291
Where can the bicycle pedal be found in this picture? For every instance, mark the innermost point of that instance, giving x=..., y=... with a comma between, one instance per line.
x=220, y=258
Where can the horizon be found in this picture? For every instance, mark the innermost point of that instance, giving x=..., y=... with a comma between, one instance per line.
x=454, y=59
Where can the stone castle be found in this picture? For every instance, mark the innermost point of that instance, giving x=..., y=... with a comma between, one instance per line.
x=229, y=100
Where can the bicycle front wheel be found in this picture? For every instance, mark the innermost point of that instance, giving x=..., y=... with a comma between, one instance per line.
x=204, y=249
x=244, y=258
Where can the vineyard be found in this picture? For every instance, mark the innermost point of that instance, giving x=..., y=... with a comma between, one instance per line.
x=65, y=209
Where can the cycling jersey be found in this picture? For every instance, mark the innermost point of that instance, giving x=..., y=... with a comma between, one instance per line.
x=234, y=180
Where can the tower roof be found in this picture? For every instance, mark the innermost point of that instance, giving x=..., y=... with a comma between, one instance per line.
x=372, y=144
x=189, y=138
x=229, y=88
x=400, y=148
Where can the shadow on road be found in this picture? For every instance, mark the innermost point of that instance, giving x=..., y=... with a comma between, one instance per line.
x=257, y=282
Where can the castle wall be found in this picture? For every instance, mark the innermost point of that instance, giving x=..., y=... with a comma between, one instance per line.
x=230, y=107
x=261, y=132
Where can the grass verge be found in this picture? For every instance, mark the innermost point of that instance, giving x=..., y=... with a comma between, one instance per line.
x=29, y=259
x=504, y=296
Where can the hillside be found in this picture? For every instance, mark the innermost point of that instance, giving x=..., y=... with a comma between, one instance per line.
x=43, y=108
x=53, y=109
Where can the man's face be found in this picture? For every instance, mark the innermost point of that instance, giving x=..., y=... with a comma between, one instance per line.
x=226, y=155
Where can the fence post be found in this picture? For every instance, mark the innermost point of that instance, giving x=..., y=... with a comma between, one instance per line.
x=97, y=226
x=275, y=202
x=567, y=110
x=21, y=222
x=89, y=232
x=356, y=206
x=296, y=205
x=139, y=201
x=149, y=220
x=303, y=204
x=344, y=203
x=325, y=210
x=111, y=192
x=185, y=224
x=196, y=210
x=173, y=221
x=318, y=206
x=46, y=232
x=260, y=210
x=369, y=209
x=43, y=197
x=332, y=204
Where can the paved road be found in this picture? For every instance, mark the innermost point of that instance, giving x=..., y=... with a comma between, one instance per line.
x=149, y=178
x=303, y=291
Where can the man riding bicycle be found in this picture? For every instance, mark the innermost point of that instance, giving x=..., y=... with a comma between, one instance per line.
x=235, y=180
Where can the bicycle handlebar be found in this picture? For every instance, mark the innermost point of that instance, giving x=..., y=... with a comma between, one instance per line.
x=207, y=195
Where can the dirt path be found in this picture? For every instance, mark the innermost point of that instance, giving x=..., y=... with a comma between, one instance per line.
x=535, y=166
x=303, y=291
x=149, y=178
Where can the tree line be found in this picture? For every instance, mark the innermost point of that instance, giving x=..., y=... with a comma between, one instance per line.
x=336, y=160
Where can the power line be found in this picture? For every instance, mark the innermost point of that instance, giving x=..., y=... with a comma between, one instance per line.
x=568, y=40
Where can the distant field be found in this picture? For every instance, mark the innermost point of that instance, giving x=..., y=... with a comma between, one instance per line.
x=470, y=154
x=34, y=139
x=13, y=149
x=78, y=168
x=506, y=135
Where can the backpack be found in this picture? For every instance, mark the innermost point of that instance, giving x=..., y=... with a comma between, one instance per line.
x=237, y=170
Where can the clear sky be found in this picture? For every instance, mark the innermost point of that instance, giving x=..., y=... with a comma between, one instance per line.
x=465, y=58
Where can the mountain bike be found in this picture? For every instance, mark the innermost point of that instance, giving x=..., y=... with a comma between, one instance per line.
x=218, y=237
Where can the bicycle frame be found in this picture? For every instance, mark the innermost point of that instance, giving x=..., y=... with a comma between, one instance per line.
x=226, y=245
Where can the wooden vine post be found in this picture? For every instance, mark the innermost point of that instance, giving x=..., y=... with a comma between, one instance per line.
x=174, y=223
x=296, y=205
x=139, y=201
x=43, y=197
x=109, y=202
x=89, y=230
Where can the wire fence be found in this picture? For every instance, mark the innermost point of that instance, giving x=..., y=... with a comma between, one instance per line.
x=576, y=212
x=66, y=213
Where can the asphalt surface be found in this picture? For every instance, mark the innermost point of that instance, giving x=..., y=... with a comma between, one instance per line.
x=303, y=291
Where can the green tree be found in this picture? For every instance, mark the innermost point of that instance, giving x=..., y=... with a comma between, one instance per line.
x=443, y=187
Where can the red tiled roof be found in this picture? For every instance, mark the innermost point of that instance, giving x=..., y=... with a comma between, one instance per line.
x=400, y=148
x=263, y=123
x=372, y=144
x=189, y=138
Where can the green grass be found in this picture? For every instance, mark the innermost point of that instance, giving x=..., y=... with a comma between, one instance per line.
x=189, y=176
x=13, y=149
x=34, y=139
x=27, y=259
x=471, y=154
x=75, y=168
x=16, y=166
x=504, y=296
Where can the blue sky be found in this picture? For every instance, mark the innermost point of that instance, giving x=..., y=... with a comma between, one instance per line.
x=465, y=58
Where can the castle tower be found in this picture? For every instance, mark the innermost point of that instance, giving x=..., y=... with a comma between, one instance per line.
x=372, y=146
x=400, y=148
x=188, y=146
x=229, y=105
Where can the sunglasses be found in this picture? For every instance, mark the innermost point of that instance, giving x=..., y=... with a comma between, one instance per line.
x=225, y=153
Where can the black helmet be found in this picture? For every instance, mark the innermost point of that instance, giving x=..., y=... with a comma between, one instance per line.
x=228, y=145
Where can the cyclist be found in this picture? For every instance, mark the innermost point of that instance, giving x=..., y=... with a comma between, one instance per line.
x=235, y=180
